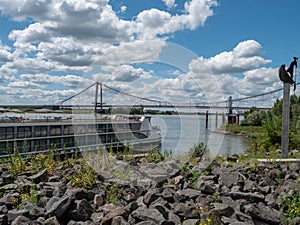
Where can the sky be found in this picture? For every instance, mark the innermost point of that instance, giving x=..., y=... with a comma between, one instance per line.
x=175, y=51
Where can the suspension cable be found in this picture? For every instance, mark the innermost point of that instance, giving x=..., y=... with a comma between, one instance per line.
x=131, y=95
x=158, y=101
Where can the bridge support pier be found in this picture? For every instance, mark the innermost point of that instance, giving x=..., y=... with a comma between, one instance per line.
x=206, y=119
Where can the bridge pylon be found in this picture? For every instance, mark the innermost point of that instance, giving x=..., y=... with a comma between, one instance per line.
x=97, y=85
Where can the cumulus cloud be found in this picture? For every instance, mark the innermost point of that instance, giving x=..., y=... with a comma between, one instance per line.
x=43, y=79
x=5, y=53
x=245, y=56
x=84, y=19
x=133, y=52
x=262, y=76
x=74, y=36
x=72, y=33
x=24, y=84
x=21, y=95
x=197, y=12
x=69, y=52
x=19, y=10
x=128, y=73
x=32, y=65
x=153, y=22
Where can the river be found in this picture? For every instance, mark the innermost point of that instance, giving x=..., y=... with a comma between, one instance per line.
x=181, y=132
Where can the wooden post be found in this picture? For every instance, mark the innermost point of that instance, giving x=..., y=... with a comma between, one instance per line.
x=285, y=120
x=223, y=117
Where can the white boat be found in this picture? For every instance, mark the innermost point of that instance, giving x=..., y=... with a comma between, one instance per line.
x=110, y=132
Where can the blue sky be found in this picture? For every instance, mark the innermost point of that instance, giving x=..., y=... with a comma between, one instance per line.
x=173, y=50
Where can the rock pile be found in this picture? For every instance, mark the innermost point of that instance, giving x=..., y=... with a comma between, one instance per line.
x=219, y=194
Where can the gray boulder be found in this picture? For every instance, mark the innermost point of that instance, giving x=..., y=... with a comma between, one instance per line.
x=58, y=206
x=80, y=210
x=148, y=215
x=41, y=176
x=14, y=213
x=263, y=213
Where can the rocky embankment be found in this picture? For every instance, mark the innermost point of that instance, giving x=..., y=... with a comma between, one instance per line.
x=169, y=193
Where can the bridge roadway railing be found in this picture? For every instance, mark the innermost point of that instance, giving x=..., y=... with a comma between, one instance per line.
x=174, y=106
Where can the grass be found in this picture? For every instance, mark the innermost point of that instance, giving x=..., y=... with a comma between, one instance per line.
x=113, y=193
x=247, y=131
x=198, y=151
x=290, y=206
x=85, y=177
x=16, y=163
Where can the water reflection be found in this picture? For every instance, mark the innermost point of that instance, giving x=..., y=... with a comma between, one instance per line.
x=180, y=133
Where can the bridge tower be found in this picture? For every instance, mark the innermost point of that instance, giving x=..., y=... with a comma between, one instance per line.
x=232, y=118
x=97, y=85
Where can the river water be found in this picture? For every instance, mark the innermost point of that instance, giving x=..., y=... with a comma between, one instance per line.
x=181, y=132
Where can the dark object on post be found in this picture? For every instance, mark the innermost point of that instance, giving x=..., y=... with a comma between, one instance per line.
x=287, y=75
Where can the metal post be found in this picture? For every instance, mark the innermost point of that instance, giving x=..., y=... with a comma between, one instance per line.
x=285, y=120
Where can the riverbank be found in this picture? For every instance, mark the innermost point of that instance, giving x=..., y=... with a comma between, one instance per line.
x=244, y=131
x=146, y=190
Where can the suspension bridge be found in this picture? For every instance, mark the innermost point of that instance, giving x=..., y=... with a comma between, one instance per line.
x=97, y=89
x=97, y=94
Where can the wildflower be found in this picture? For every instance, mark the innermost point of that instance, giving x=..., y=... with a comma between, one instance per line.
x=15, y=201
x=24, y=197
x=208, y=220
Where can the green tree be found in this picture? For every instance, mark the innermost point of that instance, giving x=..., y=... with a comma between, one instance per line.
x=273, y=124
x=254, y=117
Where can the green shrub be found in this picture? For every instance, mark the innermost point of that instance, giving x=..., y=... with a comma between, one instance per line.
x=198, y=151
x=85, y=177
x=290, y=207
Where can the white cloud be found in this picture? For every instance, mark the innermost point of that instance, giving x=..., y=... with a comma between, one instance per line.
x=262, y=76
x=66, y=36
x=128, y=73
x=133, y=52
x=22, y=9
x=44, y=79
x=245, y=56
x=123, y=8
x=69, y=52
x=247, y=49
x=84, y=19
x=153, y=22
x=24, y=84
x=5, y=53
x=73, y=33
x=35, y=96
x=32, y=65
x=198, y=12
x=34, y=33
x=169, y=3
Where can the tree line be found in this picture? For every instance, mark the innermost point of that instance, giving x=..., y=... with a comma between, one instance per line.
x=271, y=122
